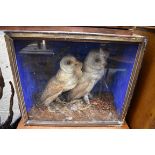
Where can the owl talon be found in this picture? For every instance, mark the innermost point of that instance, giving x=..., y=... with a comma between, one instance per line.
x=86, y=99
x=90, y=95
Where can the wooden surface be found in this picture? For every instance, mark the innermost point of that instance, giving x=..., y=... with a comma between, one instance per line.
x=22, y=126
x=67, y=28
x=141, y=113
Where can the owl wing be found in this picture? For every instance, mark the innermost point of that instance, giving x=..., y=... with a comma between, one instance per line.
x=80, y=90
x=51, y=92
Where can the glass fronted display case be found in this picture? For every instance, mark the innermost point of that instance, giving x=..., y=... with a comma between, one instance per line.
x=74, y=79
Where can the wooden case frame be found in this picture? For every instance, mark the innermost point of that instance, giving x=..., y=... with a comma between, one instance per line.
x=82, y=37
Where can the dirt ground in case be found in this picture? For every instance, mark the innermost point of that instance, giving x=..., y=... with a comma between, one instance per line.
x=99, y=109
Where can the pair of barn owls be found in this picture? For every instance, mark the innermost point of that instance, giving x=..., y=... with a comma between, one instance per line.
x=75, y=77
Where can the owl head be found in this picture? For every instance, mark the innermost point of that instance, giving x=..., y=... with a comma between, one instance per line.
x=96, y=59
x=70, y=64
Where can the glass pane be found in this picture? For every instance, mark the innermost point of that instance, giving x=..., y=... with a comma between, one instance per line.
x=74, y=81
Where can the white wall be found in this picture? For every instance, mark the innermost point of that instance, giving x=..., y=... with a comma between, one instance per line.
x=7, y=74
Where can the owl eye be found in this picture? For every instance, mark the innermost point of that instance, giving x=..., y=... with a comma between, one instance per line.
x=97, y=60
x=69, y=62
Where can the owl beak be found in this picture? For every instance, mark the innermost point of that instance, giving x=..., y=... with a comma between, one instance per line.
x=78, y=70
x=79, y=64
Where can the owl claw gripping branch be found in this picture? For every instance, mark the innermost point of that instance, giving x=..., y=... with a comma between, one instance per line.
x=66, y=79
x=93, y=71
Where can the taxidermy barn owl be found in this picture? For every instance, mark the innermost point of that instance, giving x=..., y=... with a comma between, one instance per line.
x=66, y=79
x=93, y=70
